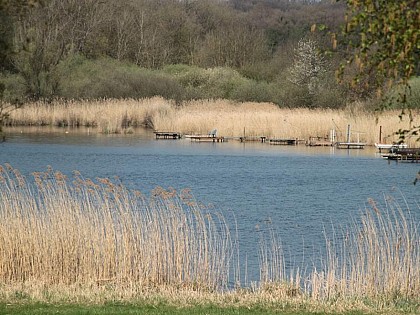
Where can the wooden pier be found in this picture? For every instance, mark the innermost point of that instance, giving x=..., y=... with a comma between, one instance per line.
x=404, y=155
x=350, y=145
x=262, y=139
x=207, y=138
x=319, y=142
x=294, y=141
x=167, y=135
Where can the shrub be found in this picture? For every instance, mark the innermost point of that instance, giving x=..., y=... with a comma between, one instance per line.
x=252, y=91
x=393, y=99
x=14, y=86
x=107, y=78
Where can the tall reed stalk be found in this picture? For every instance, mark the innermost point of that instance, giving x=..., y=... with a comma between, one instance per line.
x=377, y=258
x=77, y=231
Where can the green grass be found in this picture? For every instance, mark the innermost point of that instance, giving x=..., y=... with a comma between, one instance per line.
x=70, y=309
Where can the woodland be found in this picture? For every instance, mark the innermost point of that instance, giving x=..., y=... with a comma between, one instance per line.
x=287, y=52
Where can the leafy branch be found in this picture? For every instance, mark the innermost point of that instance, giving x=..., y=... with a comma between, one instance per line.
x=383, y=36
x=6, y=107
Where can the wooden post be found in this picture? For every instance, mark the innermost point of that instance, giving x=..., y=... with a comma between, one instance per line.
x=332, y=135
x=348, y=133
x=380, y=134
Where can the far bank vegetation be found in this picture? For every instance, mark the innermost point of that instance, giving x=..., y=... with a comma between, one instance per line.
x=183, y=51
x=231, y=119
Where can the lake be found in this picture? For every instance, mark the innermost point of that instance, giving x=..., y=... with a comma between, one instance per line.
x=298, y=191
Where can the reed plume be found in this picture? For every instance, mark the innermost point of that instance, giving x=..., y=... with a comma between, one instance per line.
x=59, y=230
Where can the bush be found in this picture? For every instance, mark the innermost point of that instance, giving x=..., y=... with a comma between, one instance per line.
x=294, y=96
x=193, y=79
x=329, y=98
x=222, y=83
x=393, y=99
x=15, y=89
x=78, y=77
x=252, y=91
x=107, y=78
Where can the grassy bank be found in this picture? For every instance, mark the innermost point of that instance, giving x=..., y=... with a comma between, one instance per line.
x=122, y=309
x=78, y=241
x=45, y=309
x=231, y=119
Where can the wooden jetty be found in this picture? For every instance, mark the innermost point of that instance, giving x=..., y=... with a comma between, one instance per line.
x=350, y=145
x=404, y=154
x=319, y=142
x=262, y=139
x=293, y=141
x=206, y=138
x=210, y=137
x=167, y=135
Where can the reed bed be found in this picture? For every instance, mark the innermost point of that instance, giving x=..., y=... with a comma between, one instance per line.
x=231, y=119
x=377, y=258
x=109, y=116
x=79, y=240
x=61, y=231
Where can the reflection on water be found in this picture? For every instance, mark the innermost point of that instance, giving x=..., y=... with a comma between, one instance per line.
x=297, y=190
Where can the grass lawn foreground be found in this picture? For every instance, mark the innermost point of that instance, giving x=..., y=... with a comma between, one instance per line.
x=73, y=309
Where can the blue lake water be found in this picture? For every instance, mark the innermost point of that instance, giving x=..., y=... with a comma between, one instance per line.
x=298, y=191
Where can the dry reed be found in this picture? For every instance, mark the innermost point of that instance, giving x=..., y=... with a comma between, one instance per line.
x=229, y=118
x=74, y=239
x=377, y=258
x=65, y=232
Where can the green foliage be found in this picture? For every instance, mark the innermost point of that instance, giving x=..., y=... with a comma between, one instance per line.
x=8, y=101
x=295, y=96
x=385, y=37
x=152, y=309
x=411, y=92
x=81, y=78
x=330, y=97
x=252, y=91
x=6, y=38
x=14, y=88
x=68, y=49
x=193, y=79
x=77, y=77
x=222, y=83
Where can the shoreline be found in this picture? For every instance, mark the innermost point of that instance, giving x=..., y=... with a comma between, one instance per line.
x=231, y=119
x=148, y=133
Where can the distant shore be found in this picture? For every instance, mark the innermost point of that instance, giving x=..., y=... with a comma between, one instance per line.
x=231, y=119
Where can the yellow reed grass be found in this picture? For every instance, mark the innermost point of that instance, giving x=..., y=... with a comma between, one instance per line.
x=78, y=240
x=80, y=232
x=231, y=119
x=110, y=116
x=378, y=258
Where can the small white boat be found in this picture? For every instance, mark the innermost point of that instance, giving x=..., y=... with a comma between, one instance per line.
x=382, y=146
